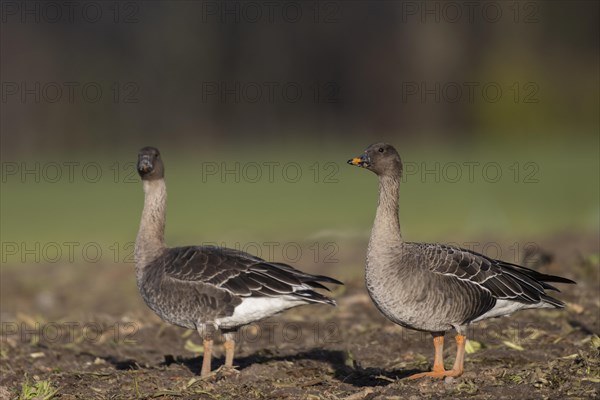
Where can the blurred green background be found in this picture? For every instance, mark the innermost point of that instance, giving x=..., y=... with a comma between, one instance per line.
x=367, y=71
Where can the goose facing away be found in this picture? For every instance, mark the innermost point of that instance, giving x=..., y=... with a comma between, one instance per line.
x=209, y=288
x=434, y=287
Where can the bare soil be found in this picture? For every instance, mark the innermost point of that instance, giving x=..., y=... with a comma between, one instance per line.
x=311, y=352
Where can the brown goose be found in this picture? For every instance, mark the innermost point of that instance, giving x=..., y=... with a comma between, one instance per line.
x=209, y=288
x=434, y=287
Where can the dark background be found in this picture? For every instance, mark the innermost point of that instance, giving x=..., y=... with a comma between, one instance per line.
x=296, y=72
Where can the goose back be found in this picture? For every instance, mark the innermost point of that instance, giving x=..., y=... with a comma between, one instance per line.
x=193, y=285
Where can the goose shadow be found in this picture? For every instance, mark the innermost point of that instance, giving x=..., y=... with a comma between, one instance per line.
x=354, y=375
x=122, y=364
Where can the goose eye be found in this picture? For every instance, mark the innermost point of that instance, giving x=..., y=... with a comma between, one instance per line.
x=381, y=149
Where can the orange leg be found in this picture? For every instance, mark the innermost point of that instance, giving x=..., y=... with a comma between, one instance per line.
x=458, y=366
x=438, y=360
x=438, y=366
x=208, y=345
x=229, y=349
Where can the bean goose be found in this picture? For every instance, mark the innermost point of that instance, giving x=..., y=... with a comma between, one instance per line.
x=209, y=288
x=434, y=287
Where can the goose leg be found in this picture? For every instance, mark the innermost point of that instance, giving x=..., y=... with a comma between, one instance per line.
x=460, y=355
x=438, y=360
x=206, y=359
x=439, y=372
x=229, y=350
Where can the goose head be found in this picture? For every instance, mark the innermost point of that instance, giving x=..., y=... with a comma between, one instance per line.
x=150, y=165
x=381, y=158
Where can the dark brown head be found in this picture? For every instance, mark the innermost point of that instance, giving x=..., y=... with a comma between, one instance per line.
x=150, y=165
x=381, y=158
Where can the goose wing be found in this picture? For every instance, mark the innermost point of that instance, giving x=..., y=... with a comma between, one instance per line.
x=242, y=274
x=503, y=280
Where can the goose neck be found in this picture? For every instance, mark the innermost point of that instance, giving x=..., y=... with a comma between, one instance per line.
x=386, y=229
x=150, y=238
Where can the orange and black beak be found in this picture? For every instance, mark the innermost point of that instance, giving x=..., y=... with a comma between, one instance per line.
x=361, y=161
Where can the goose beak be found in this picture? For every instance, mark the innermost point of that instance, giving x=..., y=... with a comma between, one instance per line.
x=361, y=161
x=144, y=165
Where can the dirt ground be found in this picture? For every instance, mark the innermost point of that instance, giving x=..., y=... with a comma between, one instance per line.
x=312, y=352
